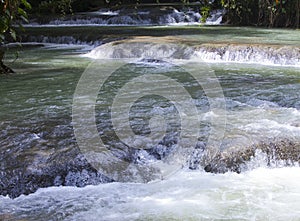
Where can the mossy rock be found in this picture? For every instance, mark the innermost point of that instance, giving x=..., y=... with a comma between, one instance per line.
x=279, y=152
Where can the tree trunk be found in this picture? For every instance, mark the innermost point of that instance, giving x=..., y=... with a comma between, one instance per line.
x=3, y=68
x=297, y=13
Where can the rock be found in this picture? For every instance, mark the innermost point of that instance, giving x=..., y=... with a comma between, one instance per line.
x=31, y=159
x=284, y=151
x=43, y=155
x=67, y=168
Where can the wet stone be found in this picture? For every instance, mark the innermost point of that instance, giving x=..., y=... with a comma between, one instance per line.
x=277, y=153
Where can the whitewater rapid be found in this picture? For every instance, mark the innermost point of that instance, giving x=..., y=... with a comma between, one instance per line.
x=144, y=48
x=132, y=17
x=259, y=194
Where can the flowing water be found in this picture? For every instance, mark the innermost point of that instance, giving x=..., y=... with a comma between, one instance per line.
x=260, y=194
x=258, y=73
x=129, y=16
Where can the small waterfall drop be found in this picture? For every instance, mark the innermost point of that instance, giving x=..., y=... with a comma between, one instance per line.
x=238, y=53
x=133, y=17
x=257, y=54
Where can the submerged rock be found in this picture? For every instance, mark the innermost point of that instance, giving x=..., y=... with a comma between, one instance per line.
x=42, y=155
x=46, y=154
x=67, y=168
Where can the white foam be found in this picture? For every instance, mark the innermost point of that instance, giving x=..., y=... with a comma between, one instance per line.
x=264, y=55
x=260, y=194
x=107, y=17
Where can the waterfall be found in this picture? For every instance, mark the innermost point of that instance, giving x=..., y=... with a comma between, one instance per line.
x=125, y=17
x=258, y=54
x=242, y=53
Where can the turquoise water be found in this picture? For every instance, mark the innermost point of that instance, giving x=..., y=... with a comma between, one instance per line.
x=194, y=33
x=262, y=104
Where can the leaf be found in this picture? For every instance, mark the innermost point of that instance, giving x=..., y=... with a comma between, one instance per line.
x=4, y=24
x=26, y=4
x=22, y=12
x=24, y=18
x=7, y=12
x=13, y=34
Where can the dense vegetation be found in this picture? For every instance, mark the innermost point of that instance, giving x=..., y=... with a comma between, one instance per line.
x=10, y=12
x=270, y=13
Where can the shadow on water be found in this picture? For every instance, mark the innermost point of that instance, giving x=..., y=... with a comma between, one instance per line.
x=206, y=34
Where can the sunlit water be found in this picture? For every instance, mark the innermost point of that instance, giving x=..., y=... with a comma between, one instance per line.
x=262, y=103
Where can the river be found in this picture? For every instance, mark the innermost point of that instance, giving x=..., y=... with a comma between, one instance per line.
x=186, y=93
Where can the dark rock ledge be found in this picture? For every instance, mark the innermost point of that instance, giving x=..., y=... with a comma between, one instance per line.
x=68, y=167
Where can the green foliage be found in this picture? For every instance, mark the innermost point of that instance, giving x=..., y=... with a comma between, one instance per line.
x=241, y=12
x=204, y=11
x=11, y=11
x=60, y=7
x=272, y=13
